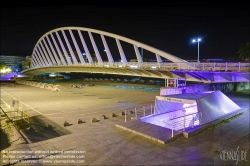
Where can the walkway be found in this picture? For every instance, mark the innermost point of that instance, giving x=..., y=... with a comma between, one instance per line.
x=102, y=143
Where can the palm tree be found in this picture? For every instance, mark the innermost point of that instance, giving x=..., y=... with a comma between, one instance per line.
x=244, y=52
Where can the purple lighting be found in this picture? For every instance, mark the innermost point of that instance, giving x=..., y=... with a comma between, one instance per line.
x=185, y=110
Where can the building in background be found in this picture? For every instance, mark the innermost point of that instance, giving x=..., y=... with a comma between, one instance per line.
x=26, y=63
x=16, y=63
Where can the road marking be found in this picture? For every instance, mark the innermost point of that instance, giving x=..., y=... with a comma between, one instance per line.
x=6, y=103
x=21, y=102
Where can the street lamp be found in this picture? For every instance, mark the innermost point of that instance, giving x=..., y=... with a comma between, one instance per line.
x=197, y=40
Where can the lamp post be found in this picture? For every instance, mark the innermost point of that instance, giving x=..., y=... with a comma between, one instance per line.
x=198, y=41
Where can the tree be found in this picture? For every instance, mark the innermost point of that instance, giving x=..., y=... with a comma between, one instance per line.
x=3, y=65
x=27, y=64
x=20, y=66
x=243, y=52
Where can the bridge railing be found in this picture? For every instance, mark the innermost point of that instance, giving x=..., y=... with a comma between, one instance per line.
x=192, y=66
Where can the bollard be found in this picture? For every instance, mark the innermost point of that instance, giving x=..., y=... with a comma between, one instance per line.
x=66, y=124
x=114, y=115
x=122, y=113
x=94, y=120
x=104, y=117
x=80, y=121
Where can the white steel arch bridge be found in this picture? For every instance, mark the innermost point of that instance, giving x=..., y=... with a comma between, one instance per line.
x=66, y=49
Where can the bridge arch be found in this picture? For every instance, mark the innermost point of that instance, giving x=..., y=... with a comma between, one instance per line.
x=60, y=50
x=53, y=47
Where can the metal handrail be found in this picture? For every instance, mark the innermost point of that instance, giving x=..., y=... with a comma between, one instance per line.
x=136, y=112
x=201, y=66
x=183, y=116
x=177, y=109
x=172, y=120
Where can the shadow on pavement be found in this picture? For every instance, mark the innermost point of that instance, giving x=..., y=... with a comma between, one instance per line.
x=4, y=140
x=42, y=129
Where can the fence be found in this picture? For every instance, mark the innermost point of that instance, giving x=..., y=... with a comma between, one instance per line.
x=183, y=122
x=138, y=112
x=15, y=112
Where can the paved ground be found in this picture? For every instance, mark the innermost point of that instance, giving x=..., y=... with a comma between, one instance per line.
x=102, y=143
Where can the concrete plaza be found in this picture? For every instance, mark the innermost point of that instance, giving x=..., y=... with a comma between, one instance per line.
x=102, y=143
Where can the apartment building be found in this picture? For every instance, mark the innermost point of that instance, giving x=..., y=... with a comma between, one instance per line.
x=13, y=62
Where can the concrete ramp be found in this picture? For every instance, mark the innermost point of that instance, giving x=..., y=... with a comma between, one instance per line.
x=191, y=109
x=183, y=114
x=155, y=133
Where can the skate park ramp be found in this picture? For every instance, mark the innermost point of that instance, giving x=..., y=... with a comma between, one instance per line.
x=178, y=114
x=198, y=109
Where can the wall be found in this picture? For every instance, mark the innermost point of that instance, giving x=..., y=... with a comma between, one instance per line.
x=223, y=87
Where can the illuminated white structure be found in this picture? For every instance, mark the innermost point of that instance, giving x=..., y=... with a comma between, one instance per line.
x=69, y=49
x=181, y=111
x=52, y=47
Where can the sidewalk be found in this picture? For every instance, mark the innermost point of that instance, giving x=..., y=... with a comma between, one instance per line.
x=102, y=143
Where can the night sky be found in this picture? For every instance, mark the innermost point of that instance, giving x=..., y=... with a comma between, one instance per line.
x=166, y=26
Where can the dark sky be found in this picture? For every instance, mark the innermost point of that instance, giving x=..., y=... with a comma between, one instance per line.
x=170, y=27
